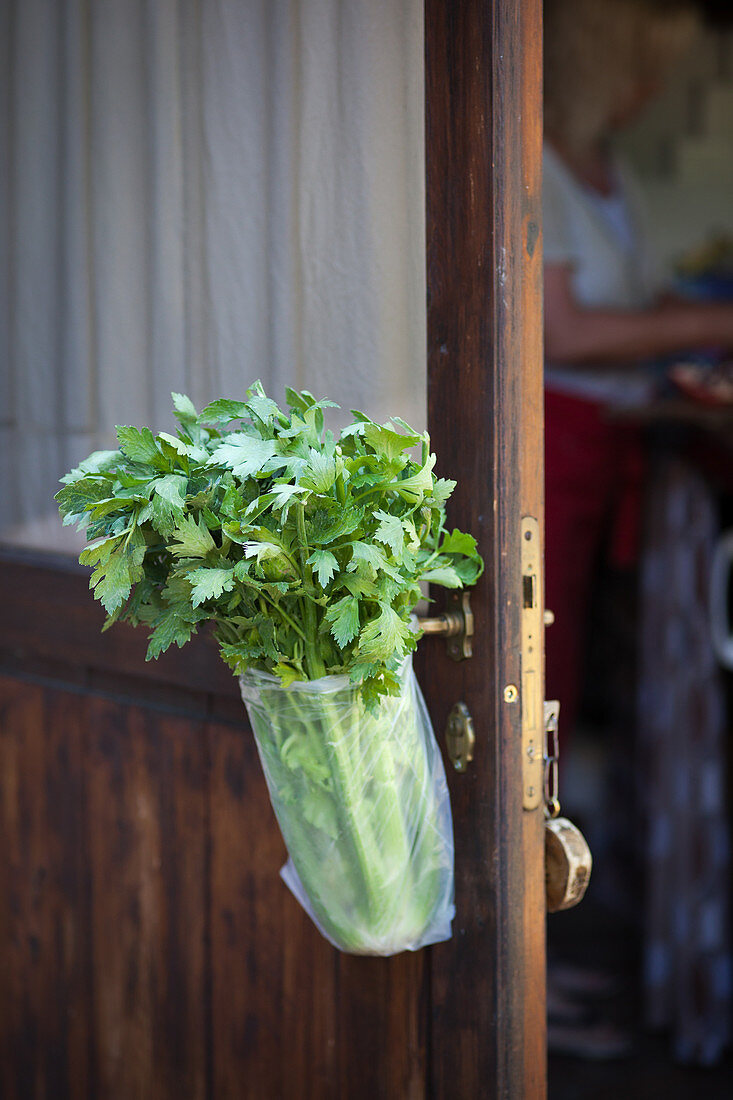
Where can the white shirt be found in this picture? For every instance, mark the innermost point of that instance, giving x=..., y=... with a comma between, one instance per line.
x=604, y=240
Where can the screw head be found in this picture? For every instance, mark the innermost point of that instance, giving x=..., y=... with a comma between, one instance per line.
x=511, y=693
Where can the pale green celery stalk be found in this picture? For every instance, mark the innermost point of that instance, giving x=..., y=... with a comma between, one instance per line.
x=350, y=781
x=357, y=831
x=361, y=757
x=415, y=899
x=404, y=901
x=285, y=708
x=392, y=849
x=313, y=659
x=426, y=868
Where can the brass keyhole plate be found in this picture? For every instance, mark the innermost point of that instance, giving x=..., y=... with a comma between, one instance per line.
x=460, y=737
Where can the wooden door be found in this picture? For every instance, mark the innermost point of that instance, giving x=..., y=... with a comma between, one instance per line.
x=147, y=947
x=483, y=142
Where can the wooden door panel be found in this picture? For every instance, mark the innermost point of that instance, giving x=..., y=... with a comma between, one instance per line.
x=149, y=947
x=273, y=980
x=291, y=1016
x=103, y=899
x=45, y=1007
x=146, y=835
x=383, y=1023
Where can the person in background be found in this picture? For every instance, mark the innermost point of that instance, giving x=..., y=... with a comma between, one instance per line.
x=607, y=313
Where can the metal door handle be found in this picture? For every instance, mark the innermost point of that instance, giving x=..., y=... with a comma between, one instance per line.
x=455, y=625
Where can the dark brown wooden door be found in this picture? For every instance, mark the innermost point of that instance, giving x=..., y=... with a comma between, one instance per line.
x=483, y=142
x=147, y=946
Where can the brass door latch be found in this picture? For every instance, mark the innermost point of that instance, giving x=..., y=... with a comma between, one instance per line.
x=455, y=625
x=531, y=701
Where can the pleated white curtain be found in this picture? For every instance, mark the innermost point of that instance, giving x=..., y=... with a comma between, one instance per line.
x=197, y=193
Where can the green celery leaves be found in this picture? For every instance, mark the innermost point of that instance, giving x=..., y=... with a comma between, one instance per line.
x=303, y=552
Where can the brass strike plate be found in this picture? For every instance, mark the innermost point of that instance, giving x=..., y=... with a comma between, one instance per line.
x=460, y=737
x=531, y=656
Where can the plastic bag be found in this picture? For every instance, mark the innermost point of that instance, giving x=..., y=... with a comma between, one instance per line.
x=362, y=803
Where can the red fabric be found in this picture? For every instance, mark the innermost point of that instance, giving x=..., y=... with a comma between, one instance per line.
x=594, y=470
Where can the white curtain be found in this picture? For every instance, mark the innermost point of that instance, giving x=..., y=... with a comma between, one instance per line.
x=195, y=194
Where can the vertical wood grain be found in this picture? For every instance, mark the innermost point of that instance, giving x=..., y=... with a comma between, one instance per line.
x=148, y=946
x=517, y=159
x=45, y=1019
x=383, y=1021
x=292, y=1016
x=146, y=824
x=519, y=41
x=483, y=149
x=274, y=994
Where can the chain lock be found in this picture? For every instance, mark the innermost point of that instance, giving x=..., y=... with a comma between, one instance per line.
x=550, y=758
x=568, y=860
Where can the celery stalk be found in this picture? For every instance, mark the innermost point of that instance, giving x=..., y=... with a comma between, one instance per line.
x=353, y=794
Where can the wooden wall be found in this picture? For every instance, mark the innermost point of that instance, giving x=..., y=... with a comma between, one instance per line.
x=148, y=948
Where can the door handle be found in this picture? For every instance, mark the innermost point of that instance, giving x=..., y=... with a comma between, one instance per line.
x=455, y=625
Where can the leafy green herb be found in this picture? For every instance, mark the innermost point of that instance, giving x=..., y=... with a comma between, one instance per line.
x=304, y=552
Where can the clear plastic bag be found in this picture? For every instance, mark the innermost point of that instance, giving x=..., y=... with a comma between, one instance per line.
x=362, y=803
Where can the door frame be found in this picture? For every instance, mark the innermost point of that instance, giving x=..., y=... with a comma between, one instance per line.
x=485, y=415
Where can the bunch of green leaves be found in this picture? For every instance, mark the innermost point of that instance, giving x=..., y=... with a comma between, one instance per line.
x=304, y=551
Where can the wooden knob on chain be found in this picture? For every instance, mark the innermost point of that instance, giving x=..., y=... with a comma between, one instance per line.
x=568, y=864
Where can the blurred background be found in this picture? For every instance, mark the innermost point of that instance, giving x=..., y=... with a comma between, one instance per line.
x=639, y=974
